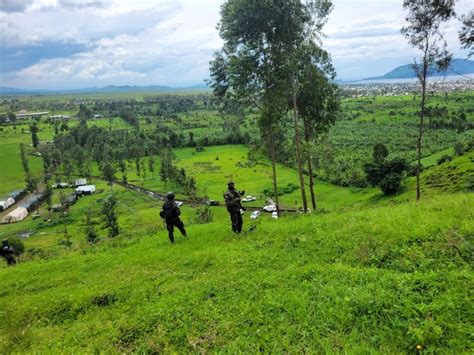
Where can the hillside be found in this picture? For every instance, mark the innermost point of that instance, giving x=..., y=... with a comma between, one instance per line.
x=8, y=91
x=457, y=67
x=388, y=278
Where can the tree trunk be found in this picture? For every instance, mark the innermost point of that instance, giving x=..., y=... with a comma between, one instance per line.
x=311, y=184
x=307, y=139
x=298, y=150
x=422, y=114
x=274, y=174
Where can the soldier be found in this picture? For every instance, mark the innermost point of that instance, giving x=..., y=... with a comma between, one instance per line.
x=171, y=215
x=7, y=252
x=232, y=201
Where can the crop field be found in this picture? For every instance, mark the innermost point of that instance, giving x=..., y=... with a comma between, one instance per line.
x=363, y=273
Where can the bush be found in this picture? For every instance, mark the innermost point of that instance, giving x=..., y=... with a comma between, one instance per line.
x=204, y=214
x=459, y=148
x=391, y=184
x=288, y=189
x=445, y=158
x=17, y=245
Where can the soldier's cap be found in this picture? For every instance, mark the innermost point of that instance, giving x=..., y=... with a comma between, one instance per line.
x=5, y=241
x=230, y=183
x=170, y=195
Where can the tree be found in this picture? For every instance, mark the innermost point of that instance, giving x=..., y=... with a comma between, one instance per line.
x=11, y=117
x=250, y=67
x=466, y=34
x=109, y=213
x=263, y=42
x=386, y=174
x=424, y=32
x=191, y=187
x=108, y=172
x=34, y=134
x=30, y=181
x=151, y=165
x=91, y=234
x=380, y=152
x=166, y=161
x=48, y=196
x=123, y=170
x=318, y=103
x=64, y=217
x=191, y=142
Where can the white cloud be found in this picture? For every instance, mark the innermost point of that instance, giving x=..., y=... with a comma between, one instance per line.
x=170, y=42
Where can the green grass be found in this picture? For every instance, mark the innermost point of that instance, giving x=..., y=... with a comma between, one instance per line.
x=365, y=274
x=382, y=279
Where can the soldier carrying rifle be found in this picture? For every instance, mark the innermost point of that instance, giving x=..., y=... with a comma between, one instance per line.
x=233, y=200
x=7, y=252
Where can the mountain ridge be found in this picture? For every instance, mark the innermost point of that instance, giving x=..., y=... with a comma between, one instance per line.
x=457, y=67
x=4, y=90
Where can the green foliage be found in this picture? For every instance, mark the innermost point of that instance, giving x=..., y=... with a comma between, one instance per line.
x=445, y=158
x=17, y=245
x=380, y=152
x=459, y=148
x=386, y=174
x=204, y=214
x=109, y=213
x=34, y=134
x=91, y=234
x=282, y=190
x=391, y=183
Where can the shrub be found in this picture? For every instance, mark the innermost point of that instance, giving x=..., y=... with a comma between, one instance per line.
x=288, y=189
x=204, y=214
x=445, y=158
x=459, y=148
x=17, y=245
x=391, y=183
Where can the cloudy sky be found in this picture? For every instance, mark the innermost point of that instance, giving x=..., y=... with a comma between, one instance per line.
x=63, y=44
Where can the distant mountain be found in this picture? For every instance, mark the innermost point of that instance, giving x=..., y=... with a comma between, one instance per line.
x=5, y=89
x=8, y=91
x=457, y=67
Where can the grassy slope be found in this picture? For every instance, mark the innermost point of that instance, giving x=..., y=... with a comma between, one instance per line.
x=384, y=278
x=209, y=172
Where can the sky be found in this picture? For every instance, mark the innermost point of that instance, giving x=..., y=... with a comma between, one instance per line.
x=68, y=44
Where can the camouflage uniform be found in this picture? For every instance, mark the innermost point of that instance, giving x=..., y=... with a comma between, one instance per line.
x=171, y=214
x=232, y=200
x=7, y=252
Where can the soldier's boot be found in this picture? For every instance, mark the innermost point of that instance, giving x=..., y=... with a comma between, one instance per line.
x=171, y=236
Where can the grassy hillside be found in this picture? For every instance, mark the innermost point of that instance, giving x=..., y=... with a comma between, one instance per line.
x=383, y=279
x=366, y=273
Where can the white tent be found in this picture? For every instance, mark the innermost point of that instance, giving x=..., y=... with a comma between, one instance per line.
x=7, y=203
x=86, y=190
x=17, y=215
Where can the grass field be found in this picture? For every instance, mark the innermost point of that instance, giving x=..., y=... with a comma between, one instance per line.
x=384, y=279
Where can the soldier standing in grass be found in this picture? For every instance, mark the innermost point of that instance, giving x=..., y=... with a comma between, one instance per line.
x=232, y=201
x=171, y=215
x=7, y=252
